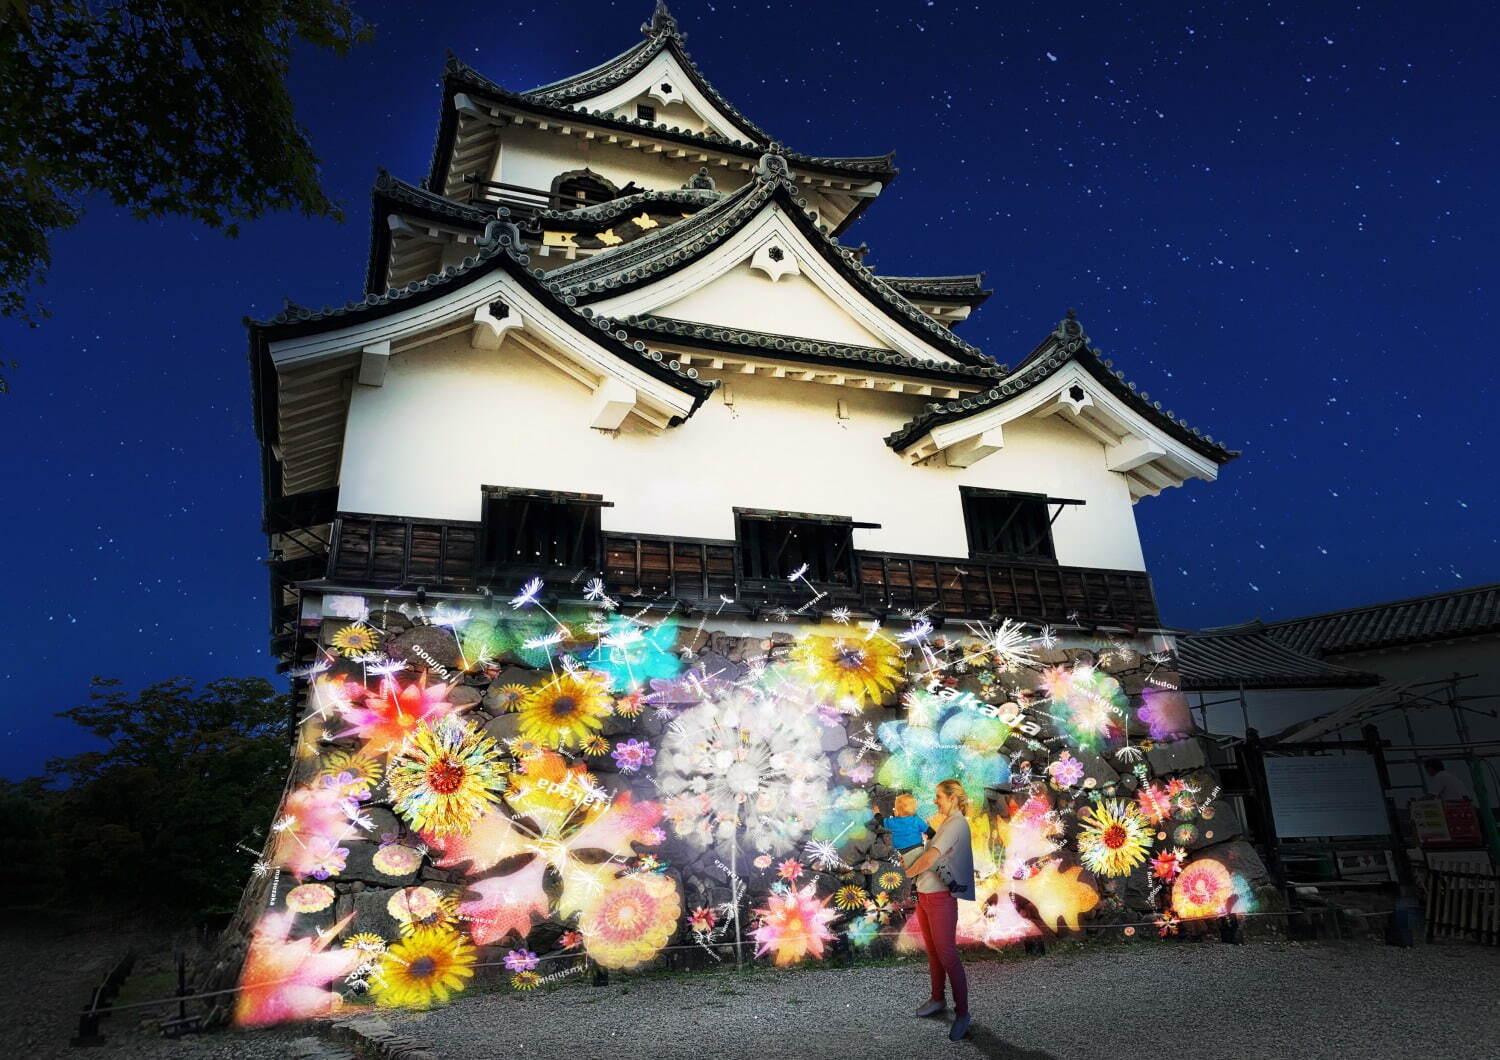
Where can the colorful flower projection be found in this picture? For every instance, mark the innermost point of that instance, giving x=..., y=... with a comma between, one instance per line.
x=943, y=738
x=529, y=790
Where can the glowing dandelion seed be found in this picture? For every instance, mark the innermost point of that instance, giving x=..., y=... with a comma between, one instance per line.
x=528, y=594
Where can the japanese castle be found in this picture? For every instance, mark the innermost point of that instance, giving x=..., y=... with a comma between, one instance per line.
x=617, y=335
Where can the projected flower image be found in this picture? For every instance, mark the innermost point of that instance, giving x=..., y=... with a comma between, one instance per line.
x=585, y=786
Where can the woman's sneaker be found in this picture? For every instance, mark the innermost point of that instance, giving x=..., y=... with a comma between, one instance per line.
x=932, y=1008
x=959, y=1029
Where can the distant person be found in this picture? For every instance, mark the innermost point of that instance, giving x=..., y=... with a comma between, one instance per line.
x=945, y=873
x=1442, y=784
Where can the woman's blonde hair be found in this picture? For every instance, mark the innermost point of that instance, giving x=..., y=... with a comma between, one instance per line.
x=952, y=788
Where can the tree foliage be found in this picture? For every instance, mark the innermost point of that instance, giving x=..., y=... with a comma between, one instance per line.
x=165, y=106
x=159, y=819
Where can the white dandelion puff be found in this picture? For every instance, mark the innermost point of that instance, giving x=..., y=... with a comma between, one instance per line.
x=528, y=594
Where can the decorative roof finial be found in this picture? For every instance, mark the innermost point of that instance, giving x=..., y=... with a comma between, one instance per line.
x=662, y=24
x=700, y=181
x=772, y=164
x=1069, y=329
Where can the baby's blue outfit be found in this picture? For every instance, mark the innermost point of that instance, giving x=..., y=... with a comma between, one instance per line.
x=906, y=831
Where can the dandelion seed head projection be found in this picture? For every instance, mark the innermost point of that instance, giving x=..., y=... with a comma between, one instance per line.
x=745, y=763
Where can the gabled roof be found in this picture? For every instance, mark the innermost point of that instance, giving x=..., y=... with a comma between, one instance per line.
x=1470, y=612
x=1212, y=661
x=662, y=34
x=1067, y=344
x=500, y=249
x=966, y=289
x=646, y=260
x=458, y=76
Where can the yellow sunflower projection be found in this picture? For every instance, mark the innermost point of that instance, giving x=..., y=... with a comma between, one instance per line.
x=855, y=666
x=355, y=640
x=1115, y=837
x=566, y=711
x=445, y=776
x=509, y=697
x=364, y=771
x=425, y=967
x=850, y=897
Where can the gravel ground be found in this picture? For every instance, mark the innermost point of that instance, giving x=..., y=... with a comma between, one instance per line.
x=1205, y=1001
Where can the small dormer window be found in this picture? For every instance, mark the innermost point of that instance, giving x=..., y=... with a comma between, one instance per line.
x=645, y=112
x=582, y=187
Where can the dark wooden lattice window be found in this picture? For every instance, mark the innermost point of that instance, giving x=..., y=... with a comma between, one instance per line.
x=772, y=547
x=1009, y=525
x=645, y=112
x=531, y=528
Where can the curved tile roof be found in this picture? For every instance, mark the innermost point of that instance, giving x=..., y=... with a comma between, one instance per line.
x=1212, y=661
x=458, y=75
x=662, y=34
x=644, y=260
x=1067, y=343
x=792, y=347
x=968, y=289
x=1458, y=613
x=501, y=247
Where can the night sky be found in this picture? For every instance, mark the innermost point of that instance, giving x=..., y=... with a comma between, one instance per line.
x=1280, y=222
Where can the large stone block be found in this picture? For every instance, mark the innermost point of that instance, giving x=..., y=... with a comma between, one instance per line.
x=1179, y=756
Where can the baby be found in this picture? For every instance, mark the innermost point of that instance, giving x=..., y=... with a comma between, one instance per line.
x=906, y=828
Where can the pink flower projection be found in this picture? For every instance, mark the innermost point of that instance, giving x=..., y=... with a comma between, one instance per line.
x=384, y=719
x=794, y=925
x=286, y=979
x=314, y=822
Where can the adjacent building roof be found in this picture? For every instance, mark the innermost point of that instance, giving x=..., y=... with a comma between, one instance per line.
x=647, y=260
x=1470, y=612
x=1216, y=662
x=1066, y=343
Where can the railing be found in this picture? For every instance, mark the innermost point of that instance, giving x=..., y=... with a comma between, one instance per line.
x=520, y=198
x=1463, y=905
x=381, y=551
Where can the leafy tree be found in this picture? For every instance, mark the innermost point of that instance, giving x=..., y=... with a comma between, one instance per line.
x=166, y=106
x=153, y=820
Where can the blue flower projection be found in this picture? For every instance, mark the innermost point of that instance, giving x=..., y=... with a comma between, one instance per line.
x=634, y=654
x=943, y=738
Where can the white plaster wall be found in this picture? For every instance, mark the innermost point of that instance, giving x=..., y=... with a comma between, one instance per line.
x=674, y=113
x=450, y=419
x=793, y=305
